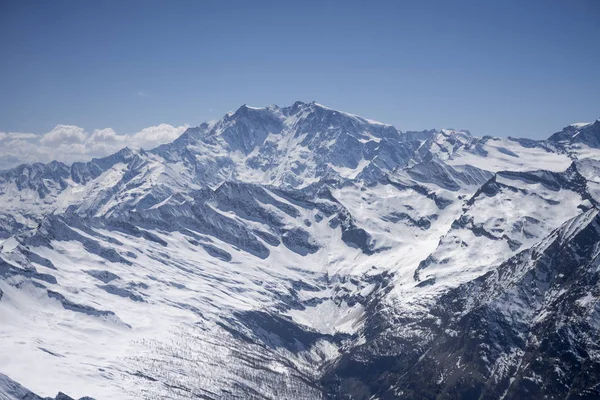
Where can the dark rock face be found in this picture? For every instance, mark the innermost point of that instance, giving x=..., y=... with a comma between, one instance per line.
x=528, y=329
x=448, y=177
x=103, y=276
x=588, y=135
x=298, y=240
x=10, y=389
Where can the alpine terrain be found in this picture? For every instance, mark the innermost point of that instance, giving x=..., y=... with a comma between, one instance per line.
x=306, y=253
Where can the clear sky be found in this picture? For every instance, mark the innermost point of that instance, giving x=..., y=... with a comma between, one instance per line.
x=519, y=68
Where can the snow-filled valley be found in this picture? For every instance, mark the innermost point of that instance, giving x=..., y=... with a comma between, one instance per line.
x=304, y=253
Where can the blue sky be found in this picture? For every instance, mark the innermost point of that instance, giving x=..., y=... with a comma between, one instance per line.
x=518, y=68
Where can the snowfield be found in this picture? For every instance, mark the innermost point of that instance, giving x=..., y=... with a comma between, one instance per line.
x=302, y=253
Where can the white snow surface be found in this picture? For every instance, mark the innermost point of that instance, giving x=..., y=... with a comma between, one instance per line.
x=160, y=311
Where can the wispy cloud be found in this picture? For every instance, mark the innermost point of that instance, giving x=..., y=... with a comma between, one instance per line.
x=69, y=143
x=141, y=93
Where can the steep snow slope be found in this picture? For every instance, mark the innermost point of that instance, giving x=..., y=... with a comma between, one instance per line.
x=581, y=133
x=527, y=329
x=127, y=178
x=291, y=146
x=204, y=267
x=495, y=154
x=511, y=211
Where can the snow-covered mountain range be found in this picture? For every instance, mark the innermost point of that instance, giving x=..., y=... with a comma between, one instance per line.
x=304, y=253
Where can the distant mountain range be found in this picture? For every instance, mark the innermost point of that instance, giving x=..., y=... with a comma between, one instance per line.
x=306, y=253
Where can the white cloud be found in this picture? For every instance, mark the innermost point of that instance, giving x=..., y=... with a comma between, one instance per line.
x=107, y=135
x=64, y=134
x=163, y=133
x=16, y=135
x=69, y=143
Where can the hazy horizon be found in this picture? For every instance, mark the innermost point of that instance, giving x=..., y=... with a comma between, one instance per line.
x=138, y=73
x=71, y=143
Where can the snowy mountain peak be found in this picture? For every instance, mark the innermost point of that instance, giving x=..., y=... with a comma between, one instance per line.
x=580, y=133
x=292, y=146
x=456, y=132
